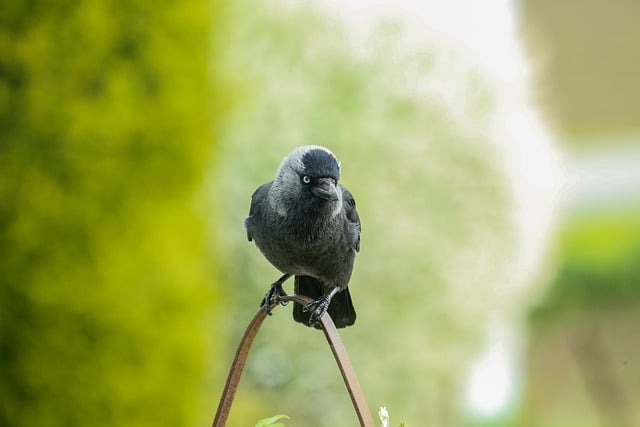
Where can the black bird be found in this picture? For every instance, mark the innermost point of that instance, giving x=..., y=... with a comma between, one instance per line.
x=305, y=223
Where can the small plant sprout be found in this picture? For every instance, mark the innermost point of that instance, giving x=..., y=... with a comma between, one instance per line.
x=272, y=421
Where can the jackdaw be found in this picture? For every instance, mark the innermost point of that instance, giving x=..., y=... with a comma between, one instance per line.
x=306, y=225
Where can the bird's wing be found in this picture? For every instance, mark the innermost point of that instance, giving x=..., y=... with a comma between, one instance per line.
x=349, y=204
x=258, y=202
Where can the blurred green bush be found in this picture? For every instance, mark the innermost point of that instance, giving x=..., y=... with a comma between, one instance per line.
x=600, y=267
x=106, y=285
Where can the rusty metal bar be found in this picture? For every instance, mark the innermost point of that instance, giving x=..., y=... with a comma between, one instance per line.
x=337, y=348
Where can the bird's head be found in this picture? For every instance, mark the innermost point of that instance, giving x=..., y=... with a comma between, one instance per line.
x=310, y=172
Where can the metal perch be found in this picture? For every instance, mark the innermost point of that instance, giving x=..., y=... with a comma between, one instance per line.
x=337, y=348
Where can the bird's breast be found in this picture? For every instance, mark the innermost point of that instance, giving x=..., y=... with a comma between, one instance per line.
x=314, y=248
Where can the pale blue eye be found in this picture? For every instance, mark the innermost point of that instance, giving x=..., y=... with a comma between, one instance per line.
x=306, y=179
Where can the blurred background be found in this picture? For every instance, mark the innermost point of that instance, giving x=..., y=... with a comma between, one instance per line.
x=493, y=149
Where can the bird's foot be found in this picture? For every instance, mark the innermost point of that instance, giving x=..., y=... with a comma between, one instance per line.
x=317, y=308
x=273, y=296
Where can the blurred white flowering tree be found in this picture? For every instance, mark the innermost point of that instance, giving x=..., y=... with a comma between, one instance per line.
x=428, y=145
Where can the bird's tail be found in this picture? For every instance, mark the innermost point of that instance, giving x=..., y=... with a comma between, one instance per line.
x=341, y=308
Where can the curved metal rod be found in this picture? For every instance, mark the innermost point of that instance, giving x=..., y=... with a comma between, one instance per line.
x=337, y=348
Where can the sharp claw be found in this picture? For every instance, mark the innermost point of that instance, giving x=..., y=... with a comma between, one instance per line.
x=318, y=308
x=273, y=296
x=316, y=316
x=264, y=304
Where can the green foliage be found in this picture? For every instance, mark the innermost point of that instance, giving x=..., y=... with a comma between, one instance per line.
x=601, y=263
x=603, y=240
x=105, y=283
x=272, y=421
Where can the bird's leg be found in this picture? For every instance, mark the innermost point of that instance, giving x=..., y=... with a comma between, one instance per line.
x=319, y=307
x=274, y=293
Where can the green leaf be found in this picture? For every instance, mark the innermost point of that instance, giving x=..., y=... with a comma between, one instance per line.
x=272, y=421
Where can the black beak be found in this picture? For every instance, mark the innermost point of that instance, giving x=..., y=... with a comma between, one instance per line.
x=326, y=189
